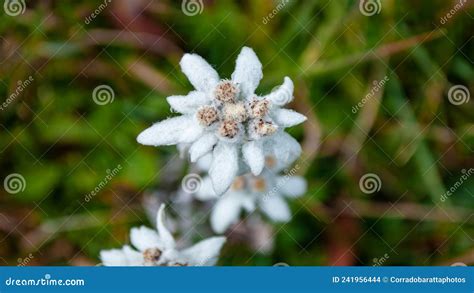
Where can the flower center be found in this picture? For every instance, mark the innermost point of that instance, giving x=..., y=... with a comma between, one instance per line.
x=151, y=256
x=235, y=111
x=259, y=184
x=234, y=115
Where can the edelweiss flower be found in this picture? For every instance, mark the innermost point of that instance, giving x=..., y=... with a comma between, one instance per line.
x=226, y=118
x=266, y=191
x=158, y=248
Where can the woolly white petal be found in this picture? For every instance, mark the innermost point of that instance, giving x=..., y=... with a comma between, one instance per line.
x=202, y=146
x=224, y=166
x=283, y=94
x=204, y=162
x=206, y=191
x=225, y=212
x=201, y=75
x=113, y=257
x=171, y=131
x=248, y=71
x=292, y=186
x=205, y=252
x=285, y=148
x=164, y=234
x=288, y=118
x=188, y=104
x=134, y=258
x=252, y=152
x=143, y=238
x=275, y=208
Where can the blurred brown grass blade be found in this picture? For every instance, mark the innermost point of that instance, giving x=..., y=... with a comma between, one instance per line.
x=146, y=41
x=381, y=52
x=150, y=76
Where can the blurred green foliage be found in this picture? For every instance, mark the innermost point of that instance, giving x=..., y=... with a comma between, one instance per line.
x=410, y=135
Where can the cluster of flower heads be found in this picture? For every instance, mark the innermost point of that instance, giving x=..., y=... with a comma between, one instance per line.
x=238, y=138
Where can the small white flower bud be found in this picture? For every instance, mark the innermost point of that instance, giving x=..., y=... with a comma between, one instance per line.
x=259, y=108
x=228, y=129
x=264, y=128
x=259, y=184
x=239, y=183
x=151, y=256
x=207, y=115
x=226, y=91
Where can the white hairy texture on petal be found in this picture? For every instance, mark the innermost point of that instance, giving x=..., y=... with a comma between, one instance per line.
x=285, y=148
x=252, y=152
x=170, y=131
x=201, y=75
x=224, y=166
x=248, y=71
x=292, y=186
x=205, y=252
x=204, y=162
x=206, y=191
x=143, y=238
x=134, y=257
x=287, y=118
x=188, y=104
x=275, y=207
x=192, y=132
x=164, y=234
x=283, y=94
x=226, y=212
x=202, y=146
x=113, y=257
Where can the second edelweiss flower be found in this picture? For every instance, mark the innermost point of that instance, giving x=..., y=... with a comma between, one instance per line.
x=226, y=118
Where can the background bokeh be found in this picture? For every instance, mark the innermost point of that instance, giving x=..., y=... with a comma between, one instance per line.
x=375, y=85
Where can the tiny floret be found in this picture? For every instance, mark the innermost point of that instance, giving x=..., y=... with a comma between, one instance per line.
x=207, y=115
x=235, y=111
x=228, y=129
x=151, y=256
x=259, y=108
x=226, y=91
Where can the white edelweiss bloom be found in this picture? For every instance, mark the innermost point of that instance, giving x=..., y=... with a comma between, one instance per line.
x=226, y=118
x=158, y=248
x=249, y=192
